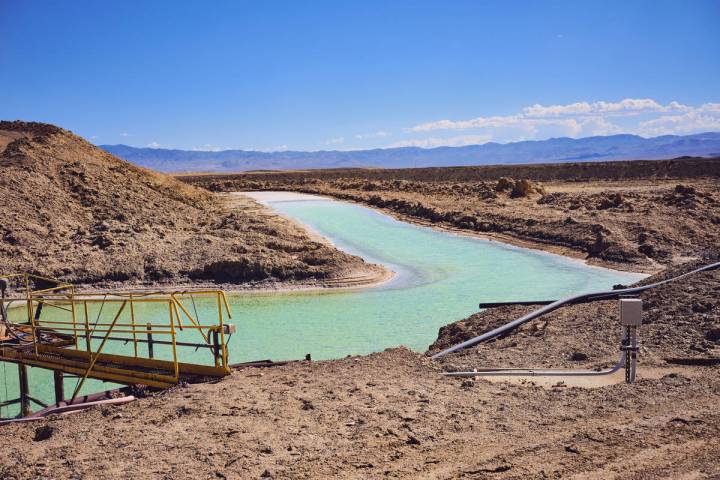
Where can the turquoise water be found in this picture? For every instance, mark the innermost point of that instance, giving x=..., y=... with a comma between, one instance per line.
x=440, y=278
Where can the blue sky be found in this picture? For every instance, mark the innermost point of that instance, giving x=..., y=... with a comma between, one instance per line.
x=363, y=74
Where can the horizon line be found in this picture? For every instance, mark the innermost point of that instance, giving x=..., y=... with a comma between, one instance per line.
x=409, y=147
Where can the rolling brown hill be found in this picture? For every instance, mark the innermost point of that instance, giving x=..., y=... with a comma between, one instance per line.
x=73, y=211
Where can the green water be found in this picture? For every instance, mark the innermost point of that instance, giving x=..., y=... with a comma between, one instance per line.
x=441, y=277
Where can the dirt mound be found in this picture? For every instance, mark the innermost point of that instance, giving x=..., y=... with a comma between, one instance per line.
x=518, y=188
x=73, y=211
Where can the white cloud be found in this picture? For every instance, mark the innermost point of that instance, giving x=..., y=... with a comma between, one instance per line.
x=208, y=148
x=379, y=133
x=643, y=116
x=154, y=145
x=598, y=126
x=555, y=110
x=628, y=106
x=124, y=134
x=277, y=148
x=710, y=107
x=433, y=142
x=679, y=107
x=508, y=121
x=335, y=141
x=690, y=122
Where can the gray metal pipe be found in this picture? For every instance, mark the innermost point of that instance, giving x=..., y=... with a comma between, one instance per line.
x=537, y=372
x=69, y=408
x=562, y=302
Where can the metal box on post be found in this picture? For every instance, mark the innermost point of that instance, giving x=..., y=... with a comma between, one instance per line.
x=631, y=312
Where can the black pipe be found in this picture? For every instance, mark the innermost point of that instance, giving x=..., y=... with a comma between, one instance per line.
x=508, y=304
x=24, y=390
x=540, y=302
x=59, y=383
x=151, y=352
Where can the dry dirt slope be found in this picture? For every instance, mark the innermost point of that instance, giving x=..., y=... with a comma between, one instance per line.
x=71, y=210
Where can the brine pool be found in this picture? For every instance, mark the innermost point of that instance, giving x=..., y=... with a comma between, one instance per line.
x=440, y=278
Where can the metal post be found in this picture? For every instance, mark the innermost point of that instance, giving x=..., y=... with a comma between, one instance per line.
x=3, y=288
x=74, y=316
x=216, y=347
x=134, y=327
x=633, y=355
x=223, y=330
x=216, y=337
x=24, y=390
x=151, y=353
x=59, y=386
x=88, y=338
x=172, y=334
x=631, y=318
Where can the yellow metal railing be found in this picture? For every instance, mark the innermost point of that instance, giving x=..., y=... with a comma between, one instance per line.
x=81, y=322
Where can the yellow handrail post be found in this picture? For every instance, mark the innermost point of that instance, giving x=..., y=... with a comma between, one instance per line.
x=227, y=305
x=132, y=321
x=87, y=329
x=173, y=304
x=222, y=330
x=172, y=336
x=73, y=313
x=30, y=311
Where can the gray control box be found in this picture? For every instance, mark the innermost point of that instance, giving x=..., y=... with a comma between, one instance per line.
x=631, y=312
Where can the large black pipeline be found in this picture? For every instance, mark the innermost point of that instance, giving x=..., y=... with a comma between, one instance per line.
x=587, y=297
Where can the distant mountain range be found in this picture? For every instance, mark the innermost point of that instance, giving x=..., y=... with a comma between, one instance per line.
x=613, y=147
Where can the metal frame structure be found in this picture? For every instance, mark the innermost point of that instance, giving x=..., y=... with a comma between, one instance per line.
x=76, y=344
x=628, y=349
x=552, y=305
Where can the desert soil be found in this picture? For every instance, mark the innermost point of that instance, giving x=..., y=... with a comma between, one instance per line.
x=386, y=415
x=74, y=212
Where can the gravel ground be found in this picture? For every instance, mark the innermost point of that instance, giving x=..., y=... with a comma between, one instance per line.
x=386, y=415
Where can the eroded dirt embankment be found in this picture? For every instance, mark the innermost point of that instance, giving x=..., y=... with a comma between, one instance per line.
x=72, y=211
x=640, y=223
